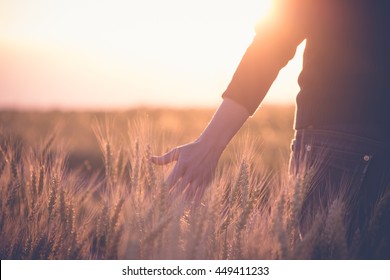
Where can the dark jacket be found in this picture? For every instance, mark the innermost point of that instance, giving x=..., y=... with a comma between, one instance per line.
x=345, y=78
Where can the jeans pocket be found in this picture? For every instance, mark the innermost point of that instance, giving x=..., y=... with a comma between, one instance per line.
x=336, y=174
x=350, y=165
x=339, y=174
x=335, y=169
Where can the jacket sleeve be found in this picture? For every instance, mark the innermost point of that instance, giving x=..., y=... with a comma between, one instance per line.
x=273, y=46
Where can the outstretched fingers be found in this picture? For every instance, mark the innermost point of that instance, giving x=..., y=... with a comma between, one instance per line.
x=196, y=189
x=191, y=173
x=176, y=174
x=169, y=157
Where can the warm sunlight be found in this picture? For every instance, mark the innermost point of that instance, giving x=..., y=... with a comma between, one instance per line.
x=194, y=138
x=122, y=53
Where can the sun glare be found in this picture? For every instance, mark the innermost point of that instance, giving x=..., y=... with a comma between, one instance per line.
x=152, y=51
x=264, y=8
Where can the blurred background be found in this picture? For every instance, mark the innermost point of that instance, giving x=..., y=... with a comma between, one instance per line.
x=119, y=54
x=67, y=65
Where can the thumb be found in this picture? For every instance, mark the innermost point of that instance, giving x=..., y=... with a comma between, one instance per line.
x=172, y=155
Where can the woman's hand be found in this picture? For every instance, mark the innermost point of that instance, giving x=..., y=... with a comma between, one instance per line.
x=196, y=162
x=194, y=169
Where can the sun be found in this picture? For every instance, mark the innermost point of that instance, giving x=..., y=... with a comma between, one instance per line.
x=258, y=10
x=189, y=46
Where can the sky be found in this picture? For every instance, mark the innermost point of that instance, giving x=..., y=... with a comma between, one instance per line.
x=105, y=54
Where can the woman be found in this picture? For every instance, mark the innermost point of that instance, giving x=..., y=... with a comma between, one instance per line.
x=342, y=118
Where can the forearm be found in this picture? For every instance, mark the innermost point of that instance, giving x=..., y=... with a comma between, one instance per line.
x=226, y=122
x=273, y=46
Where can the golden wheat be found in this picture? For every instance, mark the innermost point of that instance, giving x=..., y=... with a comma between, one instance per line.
x=126, y=211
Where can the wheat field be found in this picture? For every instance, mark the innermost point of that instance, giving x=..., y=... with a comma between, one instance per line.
x=81, y=186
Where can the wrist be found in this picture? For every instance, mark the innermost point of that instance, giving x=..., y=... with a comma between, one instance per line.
x=214, y=143
x=225, y=123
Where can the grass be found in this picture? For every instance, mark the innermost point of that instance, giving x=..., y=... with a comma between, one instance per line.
x=56, y=207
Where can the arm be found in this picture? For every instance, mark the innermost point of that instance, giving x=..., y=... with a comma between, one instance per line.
x=272, y=48
x=196, y=161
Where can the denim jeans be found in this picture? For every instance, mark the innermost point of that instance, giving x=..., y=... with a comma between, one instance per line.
x=353, y=169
